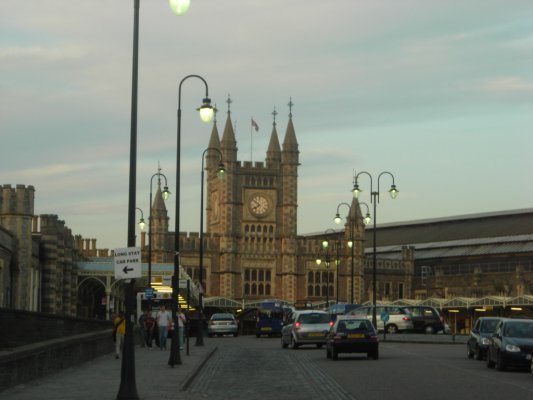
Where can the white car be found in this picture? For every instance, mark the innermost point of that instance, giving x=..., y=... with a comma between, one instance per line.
x=306, y=327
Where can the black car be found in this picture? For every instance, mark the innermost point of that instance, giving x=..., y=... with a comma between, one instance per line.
x=511, y=344
x=426, y=319
x=352, y=335
x=478, y=341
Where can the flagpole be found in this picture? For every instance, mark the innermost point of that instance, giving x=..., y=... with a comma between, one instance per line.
x=251, y=144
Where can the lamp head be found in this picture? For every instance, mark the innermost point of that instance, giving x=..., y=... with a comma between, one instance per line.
x=179, y=7
x=325, y=244
x=350, y=244
x=221, y=171
x=206, y=110
x=393, y=192
x=142, y=224
x=367, y=219
x=166, y=193
x=337, y=219
x=356, y=191
x=318, y=261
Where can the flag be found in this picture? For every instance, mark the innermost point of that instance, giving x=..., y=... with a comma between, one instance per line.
x=254, y=125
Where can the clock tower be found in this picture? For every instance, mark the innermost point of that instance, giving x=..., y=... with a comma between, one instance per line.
x=252, y=218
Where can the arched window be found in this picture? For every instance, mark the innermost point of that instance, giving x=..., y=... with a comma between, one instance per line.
x=246, y=288
x=267, y=289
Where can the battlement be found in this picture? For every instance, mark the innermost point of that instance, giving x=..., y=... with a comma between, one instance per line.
x=17, y=200
x=250, y=164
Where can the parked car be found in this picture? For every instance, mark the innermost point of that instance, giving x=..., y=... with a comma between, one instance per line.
x=341, y=309
x=427, y=319
x=399, y=317
x=306, y=327
x=221, y=324
x=511, y=344
x=478, y=341
x=352, y=335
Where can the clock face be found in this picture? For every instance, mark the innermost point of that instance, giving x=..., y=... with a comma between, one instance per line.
x=259, y=205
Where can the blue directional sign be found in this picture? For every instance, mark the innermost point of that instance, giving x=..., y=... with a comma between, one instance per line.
x=384, y=316
x=149, y=293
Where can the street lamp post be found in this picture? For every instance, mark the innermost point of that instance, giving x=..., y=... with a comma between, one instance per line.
x=128, y=385
x=351, y=243
x=324, y=254
x=220, y=172
x=206, y=114
x=165, y=193
x=374, y=198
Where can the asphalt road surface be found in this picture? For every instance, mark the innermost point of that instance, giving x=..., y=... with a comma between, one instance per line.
x=251, y=368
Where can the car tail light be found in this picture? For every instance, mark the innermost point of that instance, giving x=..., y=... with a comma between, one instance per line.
x=331, y=323
x=297, y=325
x=373, y=338
x=406, y=318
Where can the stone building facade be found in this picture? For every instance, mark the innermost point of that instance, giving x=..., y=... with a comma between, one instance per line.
x=38, y=256
x=251, y=247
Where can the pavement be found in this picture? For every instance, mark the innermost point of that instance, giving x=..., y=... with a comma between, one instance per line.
x=100, y=379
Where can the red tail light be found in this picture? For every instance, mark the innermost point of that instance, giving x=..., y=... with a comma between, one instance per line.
x=297, y=325
x=330, y=323
x=406, y=318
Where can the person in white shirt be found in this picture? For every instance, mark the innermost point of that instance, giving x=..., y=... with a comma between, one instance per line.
x=164, y=320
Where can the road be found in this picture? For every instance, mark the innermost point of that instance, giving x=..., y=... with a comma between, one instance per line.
x=251, y=368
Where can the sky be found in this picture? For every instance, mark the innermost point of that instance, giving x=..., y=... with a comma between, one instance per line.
x=438, y=93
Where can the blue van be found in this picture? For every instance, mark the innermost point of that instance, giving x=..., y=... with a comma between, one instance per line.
x=269, y=319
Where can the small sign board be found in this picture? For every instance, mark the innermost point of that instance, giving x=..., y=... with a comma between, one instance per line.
x=183, y=284
x=128, y=263
x=149, y=293
x=384, y=316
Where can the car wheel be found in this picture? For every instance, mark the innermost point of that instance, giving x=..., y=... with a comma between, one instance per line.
x=429, y=329
x=374, y=355
x=210, y=335
x=392, y=328
x=334, y=353
x=490, y=363
x=294, y=344
x=328, y=352
x=500, y=364
x=257, y=335
x=235, y=334
x=477, y=354
x=469, y=352
x=319, y=346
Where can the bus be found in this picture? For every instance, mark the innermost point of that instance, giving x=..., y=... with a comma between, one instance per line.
x=269, y=319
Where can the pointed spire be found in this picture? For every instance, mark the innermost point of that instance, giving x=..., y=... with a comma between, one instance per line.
x=228, y=145
x=290, y=144
x=214, y=140
x=274, y=149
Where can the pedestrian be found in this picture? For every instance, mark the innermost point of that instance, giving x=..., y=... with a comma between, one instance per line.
x=164, y=322
x=182, y=321
x=142, y=328
x=149, y=328
x=119, y=332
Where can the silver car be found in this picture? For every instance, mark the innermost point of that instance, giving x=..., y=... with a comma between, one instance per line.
x=398, y=318
x=222, y=324
x=306, y=327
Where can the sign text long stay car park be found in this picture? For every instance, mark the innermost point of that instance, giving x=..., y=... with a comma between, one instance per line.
x=128, y=263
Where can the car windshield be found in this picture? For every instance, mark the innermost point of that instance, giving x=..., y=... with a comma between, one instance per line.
x=489, y=325
x=314, y=318
x=222, y=317
x=359, y=326
x=519, y=330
